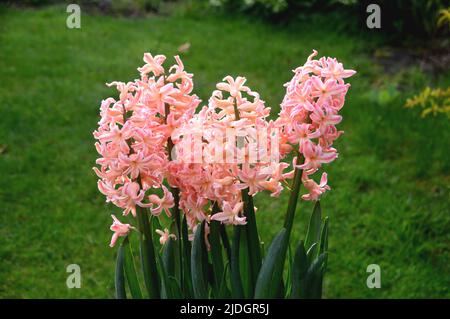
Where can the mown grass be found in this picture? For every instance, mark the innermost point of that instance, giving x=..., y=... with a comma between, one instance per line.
x=390, y=199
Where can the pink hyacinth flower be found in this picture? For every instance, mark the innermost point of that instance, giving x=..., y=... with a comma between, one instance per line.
x=165, y=235
x=164, y=203
x=119, y=230
x=230, y=215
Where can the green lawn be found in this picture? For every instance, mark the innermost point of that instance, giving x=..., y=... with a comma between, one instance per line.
x=390, y=198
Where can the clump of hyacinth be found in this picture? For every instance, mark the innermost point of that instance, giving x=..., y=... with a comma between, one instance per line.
x=134, y=131
x=309, y=115
x=208, y=166
x=229, y=146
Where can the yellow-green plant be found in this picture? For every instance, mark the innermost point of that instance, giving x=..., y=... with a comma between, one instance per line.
x=432, y=101
x=444, y=18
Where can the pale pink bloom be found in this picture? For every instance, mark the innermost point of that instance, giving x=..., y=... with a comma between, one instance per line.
x=315, y=156
x=252, y=178
x=314, y=189
x=119, y=230
x=273, y=185
x=164, y=203
x=234, y=87
x=302, y=133
x=309, y=113
x=336, y=70
x=230, y=215
x=165, y=235
x=133, y=133
x=324, y=118
x=131, y=195
x=325, y=90
x=152, y=64
x=136, y=163
x=115, y=135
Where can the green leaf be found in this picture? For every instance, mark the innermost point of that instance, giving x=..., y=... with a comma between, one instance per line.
x=186, y=247
x=253, y=242
x=165, y=288
x=120, y=277
x=225, y=241
x=130, y=270
x=311, y=254
x=288, y=290
x=216, y=255
x=314, y=277
x=168, y=257
x=236, y=281
x=224, y=291
x=313, y=233
x=324, y=240
x=175, y=287
x=299, y=270
x=244, y=265
x=293, y=198
x=147, y=252
x=197, y=263
x=269, y=277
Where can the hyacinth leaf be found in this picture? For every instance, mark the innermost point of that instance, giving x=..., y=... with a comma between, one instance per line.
x=177, y=254
x=165, y=287
x=313, y=233
x=197, y=263
x=299, y=270
x=177, y=229
x=236, y=281
x=269, y=277
x=224, y=291
x=314, y=277
x=147, y=252
x=253, y=243
x=324, y=240
x=225, y=241
x=311, y=254
x=216, y=255
x=293, y=198
x=168, y=257
x=245, y=264
x=120, y=276
x=130, y=270
x=176, y=288
x=286, y=292
x=186, y=245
